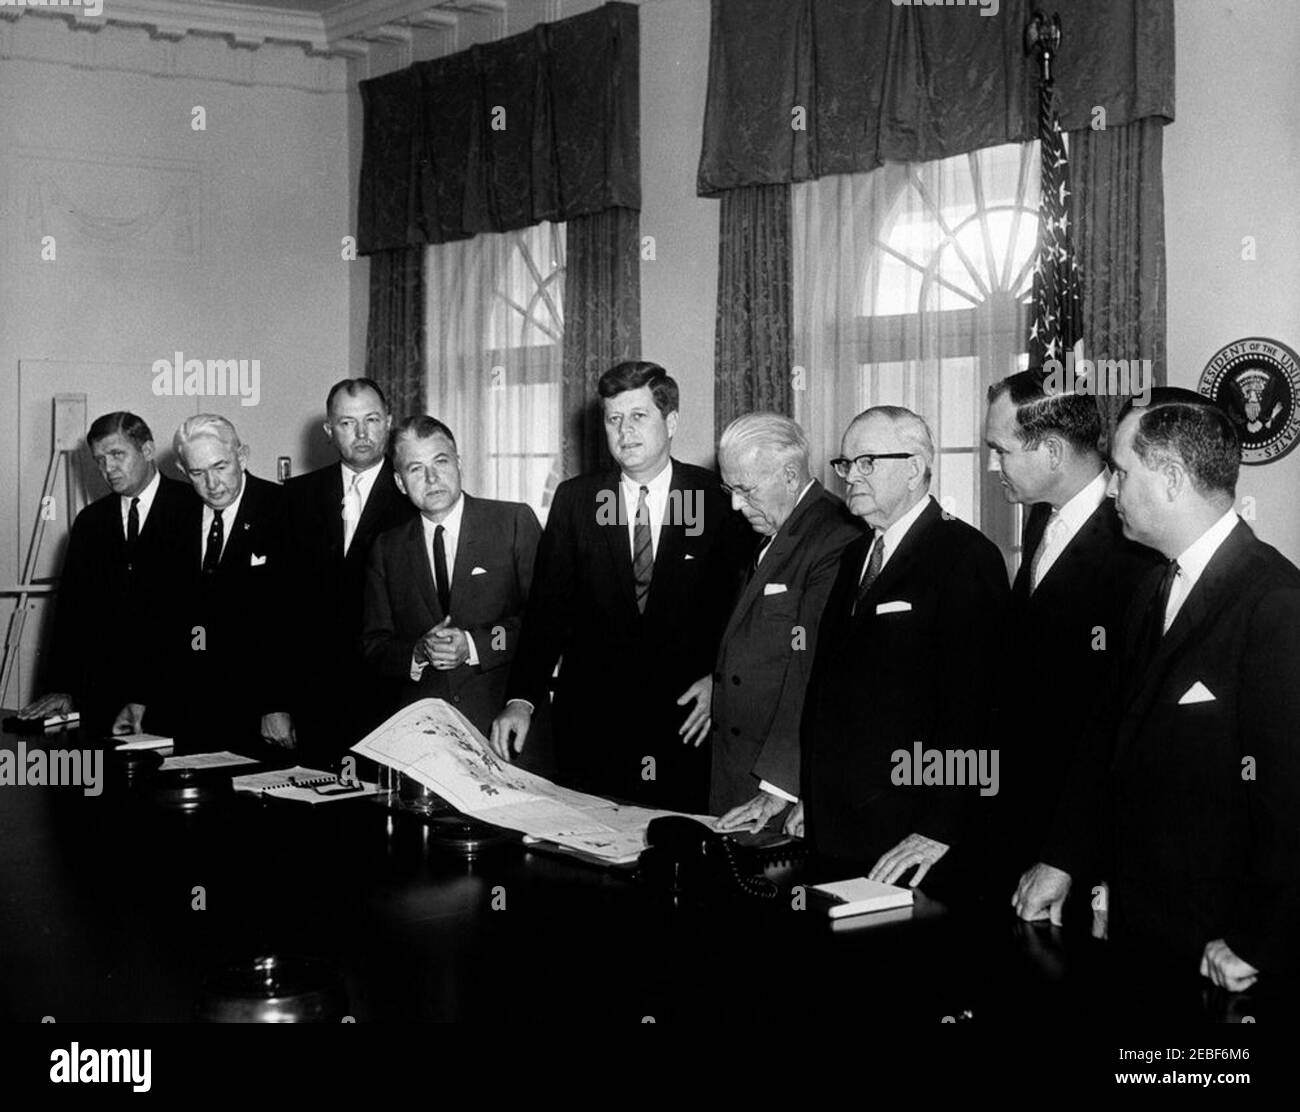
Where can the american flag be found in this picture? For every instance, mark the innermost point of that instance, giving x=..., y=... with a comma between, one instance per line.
x=1056, y=315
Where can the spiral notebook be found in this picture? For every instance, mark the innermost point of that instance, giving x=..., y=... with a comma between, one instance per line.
x=305, y=785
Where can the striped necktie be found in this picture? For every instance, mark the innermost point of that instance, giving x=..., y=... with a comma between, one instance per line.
x=643, y=555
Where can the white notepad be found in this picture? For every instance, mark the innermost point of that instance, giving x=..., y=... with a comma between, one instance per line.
x=859, y=896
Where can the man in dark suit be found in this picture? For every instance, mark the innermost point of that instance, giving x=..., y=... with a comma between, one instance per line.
x=770, y=638
x=115, y=564
x=445, y=592
x=225, y=646
x=334, y=515
x=898, y=760
x=1077, y=575
x=1187, y=785
x=634, y=575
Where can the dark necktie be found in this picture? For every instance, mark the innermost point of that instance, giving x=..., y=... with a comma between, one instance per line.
x=643, y=553
x=132, y=530
x=874, y=563
x=1154, y=626
x=758, y=556
x=440, y=571
x=216, y=538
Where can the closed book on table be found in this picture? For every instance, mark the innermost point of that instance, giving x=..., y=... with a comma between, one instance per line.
x=859, y=896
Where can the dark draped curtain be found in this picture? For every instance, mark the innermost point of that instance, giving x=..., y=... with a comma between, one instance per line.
x=752, y=345
x=544, y=125
x=802, y=89
x=602, y=323
x=1117, y=212
x=799, y=89
x=395, y=330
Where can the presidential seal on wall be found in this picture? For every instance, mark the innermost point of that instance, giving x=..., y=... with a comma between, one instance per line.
x=1258, y=382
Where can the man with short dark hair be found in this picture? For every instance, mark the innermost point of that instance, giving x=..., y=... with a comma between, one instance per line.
x=634, y=576
x=117, y=557
x=1187, y=785
x=333, y=516
x=445, y=592
x=1077, y=574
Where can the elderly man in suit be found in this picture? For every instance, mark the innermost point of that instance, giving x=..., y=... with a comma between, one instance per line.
x=770, y=638
x=634, y=575
x=1187, y=785
x=223, y=651
x=334, y=515
x=445, y=592
x=113, y=572
x=900, y=764
x=1076, y=578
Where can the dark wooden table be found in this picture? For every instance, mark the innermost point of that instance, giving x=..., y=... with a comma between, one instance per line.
x=98, y=923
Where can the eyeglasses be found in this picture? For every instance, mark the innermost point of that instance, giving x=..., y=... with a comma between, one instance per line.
x=866, y=464
x=747, y=493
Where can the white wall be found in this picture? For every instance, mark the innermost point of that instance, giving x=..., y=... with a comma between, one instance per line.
x=223, y=243
x=1232, y=169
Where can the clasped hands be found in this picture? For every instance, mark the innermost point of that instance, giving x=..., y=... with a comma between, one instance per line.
x=444, y=646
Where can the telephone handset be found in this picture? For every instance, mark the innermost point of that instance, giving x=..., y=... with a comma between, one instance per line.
x=685, y=855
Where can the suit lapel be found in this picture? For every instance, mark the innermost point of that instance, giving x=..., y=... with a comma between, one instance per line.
x=899, y=560
x=466, y=543
x=1077, y=554
x=332, y=509
x=382, y=493
x=238, y=550
x=422, y=566
x=783, y=544
x=1034, y=528
x=1213, y=590
x=671, y=550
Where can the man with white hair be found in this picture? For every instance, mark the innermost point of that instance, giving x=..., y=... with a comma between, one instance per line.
x=220, y=650
x=904, y=662
x=767, y=648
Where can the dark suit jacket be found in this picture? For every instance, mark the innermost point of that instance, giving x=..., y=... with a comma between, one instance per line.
x=1053, y=631
x=101, y=597
x=883, y=681
x=324, y=592
x=401, y=604
x=615, y=711
x=1190, y=808
x=226, y=648
x=767, y=652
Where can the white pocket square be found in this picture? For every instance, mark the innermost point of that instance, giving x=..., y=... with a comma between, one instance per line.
x=256, y=561
x=893, y=607
x=774, y=588
x=1197, y=693
x=479, y=571
x=689, y=556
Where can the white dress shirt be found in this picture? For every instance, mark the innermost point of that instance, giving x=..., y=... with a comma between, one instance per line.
x=656, y=501
x=894, y=535
x=450, y=542
x=1066, y=522
x=1192, y=562
x=228, y=516
x=146, y=497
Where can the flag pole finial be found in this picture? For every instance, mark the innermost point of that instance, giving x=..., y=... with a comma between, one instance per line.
x=1043, y=39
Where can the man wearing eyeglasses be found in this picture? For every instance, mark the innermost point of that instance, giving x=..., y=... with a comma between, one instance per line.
x=767, y=647
x=897, y=725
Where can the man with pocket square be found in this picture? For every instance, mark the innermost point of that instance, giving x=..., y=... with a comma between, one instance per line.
x=222, y=679
x=905, y=657
x=1187, y=786
x=771, y=635
x=445, y=592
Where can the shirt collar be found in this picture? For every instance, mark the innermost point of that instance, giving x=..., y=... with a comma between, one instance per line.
x=895, y=533
x=230, y=513
x=658, y=486
x=450, y=523
x=1084, y=504
x=1193, y=559
x=146, y=496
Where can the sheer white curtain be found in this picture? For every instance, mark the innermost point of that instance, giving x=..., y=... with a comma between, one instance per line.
x=495, y=318
x=909, y=289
